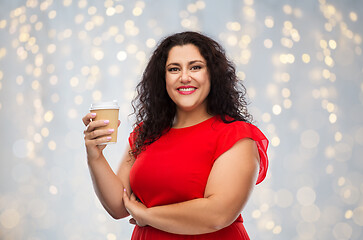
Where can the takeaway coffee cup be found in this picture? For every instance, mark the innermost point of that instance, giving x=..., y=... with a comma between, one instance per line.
x=107, y=111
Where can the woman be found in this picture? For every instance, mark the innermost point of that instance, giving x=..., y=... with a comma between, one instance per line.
x=193, y=157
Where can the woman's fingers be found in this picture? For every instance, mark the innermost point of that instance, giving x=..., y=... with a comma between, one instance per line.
x=87, y=119
x=126, y=200
x=91, y=131
x=95, y=124
x=89, y=135
x=93, y=136
x=133, y=197
x=97, y=137
x=134, y=208
x=125, y=194
x=132, y=221
x=98, y=141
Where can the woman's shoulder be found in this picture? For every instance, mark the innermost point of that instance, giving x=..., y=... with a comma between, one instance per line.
x=230, y=123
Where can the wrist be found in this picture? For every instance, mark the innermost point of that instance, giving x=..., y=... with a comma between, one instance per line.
x=146, y=216
x=142, y=215
x=93, y=159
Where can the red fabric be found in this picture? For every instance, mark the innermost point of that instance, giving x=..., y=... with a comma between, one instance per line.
x=175, y=168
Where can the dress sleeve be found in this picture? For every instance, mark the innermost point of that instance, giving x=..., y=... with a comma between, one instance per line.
x=132, y=139
x=133, y=135
x=238, y=130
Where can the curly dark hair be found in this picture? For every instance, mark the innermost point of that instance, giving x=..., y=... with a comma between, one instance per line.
x=154, y=109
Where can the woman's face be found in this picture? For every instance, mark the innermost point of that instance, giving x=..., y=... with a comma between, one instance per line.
x=187, y=78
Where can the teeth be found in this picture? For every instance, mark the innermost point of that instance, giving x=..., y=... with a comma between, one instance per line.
x=186, y=89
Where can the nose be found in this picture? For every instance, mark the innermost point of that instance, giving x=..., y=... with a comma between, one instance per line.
x=185, y=78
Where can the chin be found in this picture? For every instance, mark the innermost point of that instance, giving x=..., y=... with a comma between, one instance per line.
x=188, y=108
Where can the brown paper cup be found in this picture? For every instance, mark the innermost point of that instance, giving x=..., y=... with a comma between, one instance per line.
x=107, y=111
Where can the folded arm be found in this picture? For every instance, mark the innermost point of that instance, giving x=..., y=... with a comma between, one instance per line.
x=229, y=185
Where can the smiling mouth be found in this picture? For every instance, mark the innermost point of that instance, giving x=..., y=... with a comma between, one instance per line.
x=186, y=90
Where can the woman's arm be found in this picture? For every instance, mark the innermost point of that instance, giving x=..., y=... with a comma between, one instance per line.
x=229, y=185
x=107, y=185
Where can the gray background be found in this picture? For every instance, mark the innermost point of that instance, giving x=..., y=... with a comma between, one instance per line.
x=301, y=62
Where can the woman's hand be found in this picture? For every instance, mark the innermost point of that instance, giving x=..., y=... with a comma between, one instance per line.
x=95, y=139
x=135, y=208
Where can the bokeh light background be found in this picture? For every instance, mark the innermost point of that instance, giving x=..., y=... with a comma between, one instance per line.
x=301, y=62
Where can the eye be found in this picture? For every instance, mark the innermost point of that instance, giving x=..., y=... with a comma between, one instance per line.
x=196, y=67
x=173, y=69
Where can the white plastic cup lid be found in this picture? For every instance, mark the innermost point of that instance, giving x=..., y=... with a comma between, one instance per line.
x=105, y=105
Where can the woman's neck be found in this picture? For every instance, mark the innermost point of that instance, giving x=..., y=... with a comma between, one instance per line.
x=190, y=118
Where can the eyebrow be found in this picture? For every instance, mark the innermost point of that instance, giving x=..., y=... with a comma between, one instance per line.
x=189, y=63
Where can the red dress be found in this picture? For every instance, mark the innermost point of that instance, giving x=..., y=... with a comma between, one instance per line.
x=175, y=168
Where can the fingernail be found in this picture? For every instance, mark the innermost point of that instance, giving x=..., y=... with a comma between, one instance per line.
x=109, y=138
x=106, y=121
x=111, y=130
x=124, y=189
x=93, y=114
